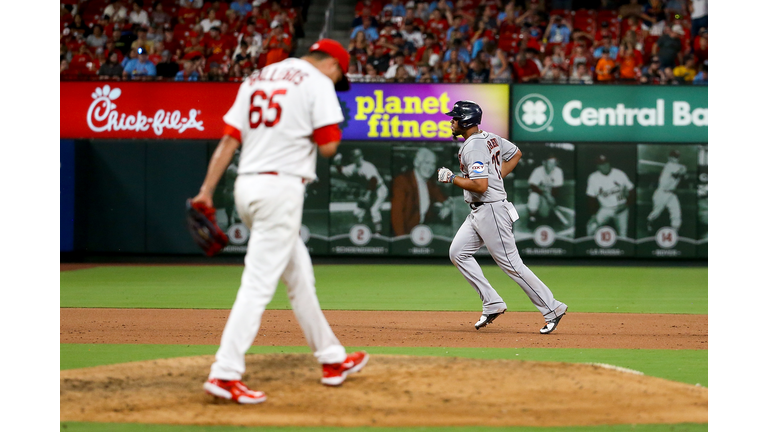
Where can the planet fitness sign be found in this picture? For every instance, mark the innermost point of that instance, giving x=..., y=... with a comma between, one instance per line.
x=609, y=113
x=416, y=111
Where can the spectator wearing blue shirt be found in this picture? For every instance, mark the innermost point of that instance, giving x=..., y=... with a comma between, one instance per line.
x=189, y=73
x=558, y=31
x=442, y=5
x=701, y=78
x=139, y=67
x=131, y=56
x=457, y=26
x=462, y=52
x=242, y=7
x=371, y=34
x=396, y=7
x=613, y=50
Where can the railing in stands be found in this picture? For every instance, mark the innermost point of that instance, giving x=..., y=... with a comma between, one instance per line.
x=328, y=24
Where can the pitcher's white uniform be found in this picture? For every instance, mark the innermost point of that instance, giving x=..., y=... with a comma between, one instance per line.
x=611, y=192
x=665, y=197
x=275, y=114
x=546, y=182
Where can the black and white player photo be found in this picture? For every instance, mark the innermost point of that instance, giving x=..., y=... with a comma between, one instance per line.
x=605, y=199
x=417, y=197
x=667, y=184
x=544, y=194
x=360, y=190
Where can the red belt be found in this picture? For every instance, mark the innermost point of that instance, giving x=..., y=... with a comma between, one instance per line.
x=303, y=180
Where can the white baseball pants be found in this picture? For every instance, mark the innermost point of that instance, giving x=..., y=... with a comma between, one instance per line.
x=271, y=205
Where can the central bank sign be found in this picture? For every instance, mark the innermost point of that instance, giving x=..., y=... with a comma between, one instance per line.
x=609, y=113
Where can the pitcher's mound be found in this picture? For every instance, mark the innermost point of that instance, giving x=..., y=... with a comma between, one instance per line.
x=390, y=391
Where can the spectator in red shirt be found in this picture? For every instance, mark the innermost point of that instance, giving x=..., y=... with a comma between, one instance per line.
x=219, y=8
x=188, y=15
x=109, y=48
x=79, y=60
x=216, y=48
x=437, y=25
x=410, y=15
x=526, y=71
x=172, y=45
x=278, y=45
x=155, y=53
x=430, y=48
x=701, y=46
x=454, y=74
x=194, y=48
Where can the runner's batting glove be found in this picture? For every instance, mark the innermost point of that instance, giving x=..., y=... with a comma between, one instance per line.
x=444, y=175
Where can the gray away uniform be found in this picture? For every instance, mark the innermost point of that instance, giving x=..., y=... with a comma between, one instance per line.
x=490, y=223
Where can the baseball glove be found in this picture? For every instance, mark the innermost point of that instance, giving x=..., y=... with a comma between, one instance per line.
x=201, y=222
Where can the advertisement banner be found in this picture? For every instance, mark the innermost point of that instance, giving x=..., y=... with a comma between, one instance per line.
x=544, y=185
x=409, y=112
x=609, y=113
x=360, y=199
x=667, y=207
x=605, y=200
x=144, y=110
x=703, y=194
x=422, y=208
x=67, y=195
x=404, y=112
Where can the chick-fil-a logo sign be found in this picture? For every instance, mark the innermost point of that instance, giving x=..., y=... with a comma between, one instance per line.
x=104, y=116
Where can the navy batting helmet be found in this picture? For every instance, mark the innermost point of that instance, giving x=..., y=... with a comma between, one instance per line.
x=468, y=113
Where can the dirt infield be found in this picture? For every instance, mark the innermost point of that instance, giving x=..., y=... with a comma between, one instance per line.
x=390, y=391
x=409, y=329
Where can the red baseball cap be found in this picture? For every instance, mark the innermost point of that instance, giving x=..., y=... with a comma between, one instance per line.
x=337, y=51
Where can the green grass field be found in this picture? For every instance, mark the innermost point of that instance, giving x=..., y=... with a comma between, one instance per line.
x=394, y=287
x=399, y=287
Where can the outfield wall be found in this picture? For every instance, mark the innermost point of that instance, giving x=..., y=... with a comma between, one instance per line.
x=132, y=153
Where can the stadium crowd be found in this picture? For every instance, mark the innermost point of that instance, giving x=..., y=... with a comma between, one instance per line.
x=181, y=40
x=556, y=41
x=524, y=41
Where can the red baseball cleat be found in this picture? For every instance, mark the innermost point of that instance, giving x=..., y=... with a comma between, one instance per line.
x=233, y=390
x=334, y=374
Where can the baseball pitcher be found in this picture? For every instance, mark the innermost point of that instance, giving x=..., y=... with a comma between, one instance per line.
x=485, y=159
x=282, y=115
